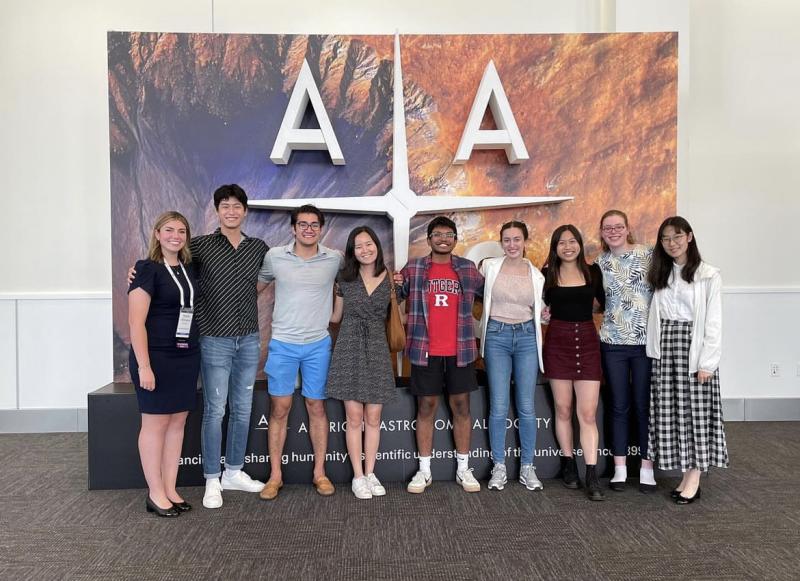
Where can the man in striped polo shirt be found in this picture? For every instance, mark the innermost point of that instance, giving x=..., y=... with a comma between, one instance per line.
x=227, y=262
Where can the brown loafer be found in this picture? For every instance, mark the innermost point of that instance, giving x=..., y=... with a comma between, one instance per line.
x=270, y=490
x=324, y=486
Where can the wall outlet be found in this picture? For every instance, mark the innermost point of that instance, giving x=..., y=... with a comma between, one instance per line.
x=774, y=370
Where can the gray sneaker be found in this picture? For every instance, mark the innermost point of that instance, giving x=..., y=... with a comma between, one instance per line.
x=527, y=476
x=499, y=478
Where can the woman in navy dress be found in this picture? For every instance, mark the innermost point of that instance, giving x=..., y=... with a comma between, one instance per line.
x=165, y=357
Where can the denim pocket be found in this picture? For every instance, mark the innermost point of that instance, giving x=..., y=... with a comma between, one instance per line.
x=493, y=327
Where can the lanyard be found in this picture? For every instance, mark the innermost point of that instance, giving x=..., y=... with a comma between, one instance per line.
x=180, y=287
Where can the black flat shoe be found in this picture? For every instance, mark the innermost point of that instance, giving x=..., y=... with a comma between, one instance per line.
x=182, y=506
x=617, y=486
x=674, y=493
x=166, y=512
x=683, y=500
x=647, y=488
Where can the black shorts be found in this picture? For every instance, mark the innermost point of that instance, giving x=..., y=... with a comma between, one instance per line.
x=442, y=375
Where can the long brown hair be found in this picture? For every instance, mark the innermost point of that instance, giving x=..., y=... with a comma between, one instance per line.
x=154, y=252
x=622, y=215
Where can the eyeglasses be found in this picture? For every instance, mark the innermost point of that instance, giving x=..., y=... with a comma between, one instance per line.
x=445, y=235
x=308, y=226
x=615, y=228
x=678, y=238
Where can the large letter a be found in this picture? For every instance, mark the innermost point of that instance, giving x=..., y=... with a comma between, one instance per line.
x=291, y=137
x=506, y=136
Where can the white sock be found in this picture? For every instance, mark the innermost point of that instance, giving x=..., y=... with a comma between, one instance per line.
x=463, y=462
x=231, y=473
x=620, y=473
x=425, y=464
x=646, y=476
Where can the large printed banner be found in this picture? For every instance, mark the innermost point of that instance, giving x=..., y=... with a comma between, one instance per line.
x=595, y=114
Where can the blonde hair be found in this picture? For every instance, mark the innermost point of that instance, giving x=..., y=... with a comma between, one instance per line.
x=622, y=215
x=154, y=252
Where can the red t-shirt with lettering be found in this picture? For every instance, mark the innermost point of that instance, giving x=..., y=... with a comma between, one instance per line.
x=444, y=291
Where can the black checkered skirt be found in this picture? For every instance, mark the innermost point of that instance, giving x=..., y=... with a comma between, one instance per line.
x=686, y=428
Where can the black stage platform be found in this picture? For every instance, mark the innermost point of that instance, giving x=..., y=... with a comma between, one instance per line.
x=114, y=425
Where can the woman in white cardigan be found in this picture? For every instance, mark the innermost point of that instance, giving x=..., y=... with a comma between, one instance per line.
x=512, y=343
x=684, y=337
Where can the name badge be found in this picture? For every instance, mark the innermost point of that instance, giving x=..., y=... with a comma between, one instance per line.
x=184, y=323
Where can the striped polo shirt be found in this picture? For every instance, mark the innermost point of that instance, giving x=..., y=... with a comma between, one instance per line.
x=227, y=305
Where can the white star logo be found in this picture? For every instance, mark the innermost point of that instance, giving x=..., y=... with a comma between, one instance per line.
x=401, y=204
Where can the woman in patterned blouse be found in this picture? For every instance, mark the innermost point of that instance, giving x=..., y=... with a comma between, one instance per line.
x=623, y=335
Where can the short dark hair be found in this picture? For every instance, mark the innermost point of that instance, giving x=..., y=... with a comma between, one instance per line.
x=308, y=209
x=230, y=191
x=442, y=221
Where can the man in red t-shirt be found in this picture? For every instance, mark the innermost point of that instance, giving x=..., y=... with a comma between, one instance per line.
x=440, y=289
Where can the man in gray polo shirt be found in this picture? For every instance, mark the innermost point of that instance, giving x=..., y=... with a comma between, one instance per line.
x=304, y=272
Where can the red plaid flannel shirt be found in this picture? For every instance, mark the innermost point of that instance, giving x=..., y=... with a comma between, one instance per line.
x=414, y=290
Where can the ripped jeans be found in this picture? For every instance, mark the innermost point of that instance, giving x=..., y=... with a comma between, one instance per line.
x=228, y=366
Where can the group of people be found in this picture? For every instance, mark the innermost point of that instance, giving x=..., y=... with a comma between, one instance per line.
x=193, y=309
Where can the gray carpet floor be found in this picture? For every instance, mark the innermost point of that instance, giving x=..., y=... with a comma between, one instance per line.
x=745, y=526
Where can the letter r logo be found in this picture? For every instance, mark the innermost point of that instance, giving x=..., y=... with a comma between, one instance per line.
x=441, y=301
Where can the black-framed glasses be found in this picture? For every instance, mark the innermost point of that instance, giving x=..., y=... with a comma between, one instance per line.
x=615, y=228
x=308, y=226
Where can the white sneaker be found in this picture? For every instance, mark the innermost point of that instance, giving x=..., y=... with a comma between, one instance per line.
x=467, y=480
x=212, y=498
x=419, y=483
x=499, y=477
x=241, y=481
x=527, y=476
x=361, y=489
x=375, y=486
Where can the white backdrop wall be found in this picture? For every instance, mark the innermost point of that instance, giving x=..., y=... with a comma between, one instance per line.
x=738, y=174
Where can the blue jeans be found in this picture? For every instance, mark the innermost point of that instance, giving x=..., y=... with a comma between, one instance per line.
x=627, y=372
x=229, y=366
x=511, y=348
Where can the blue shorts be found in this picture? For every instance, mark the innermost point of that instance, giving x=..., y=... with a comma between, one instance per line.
x=284, y=360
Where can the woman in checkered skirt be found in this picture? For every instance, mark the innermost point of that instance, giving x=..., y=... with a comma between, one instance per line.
x=684, y=337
